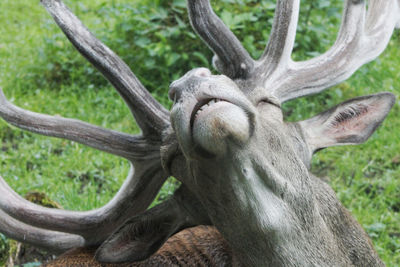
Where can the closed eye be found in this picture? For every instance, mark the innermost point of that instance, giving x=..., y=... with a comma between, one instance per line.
x=269, y=101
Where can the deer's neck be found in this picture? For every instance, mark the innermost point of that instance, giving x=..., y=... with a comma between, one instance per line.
x=267, y=210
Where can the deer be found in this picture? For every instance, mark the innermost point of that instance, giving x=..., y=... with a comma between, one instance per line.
x=248, y=197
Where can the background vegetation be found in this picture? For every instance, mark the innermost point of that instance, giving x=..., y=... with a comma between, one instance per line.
x=40, y=71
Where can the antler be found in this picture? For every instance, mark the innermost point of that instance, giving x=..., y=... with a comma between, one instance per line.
x=277, y=54
x=120, y=144
x=59, y=229
x=362, y=37
x=231, y=58
x=151, y=116
x=135, y=195
x=50, y=240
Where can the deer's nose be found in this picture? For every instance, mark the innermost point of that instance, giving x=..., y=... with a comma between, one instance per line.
x=174, y=92
x=201, y=72
x=176, y=88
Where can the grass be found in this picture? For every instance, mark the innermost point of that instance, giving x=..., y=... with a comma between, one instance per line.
x=365, y=177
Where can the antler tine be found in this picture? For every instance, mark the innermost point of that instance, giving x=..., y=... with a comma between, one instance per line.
x=120, y=144
x=362, y=37
x=376, y=20
x=135, y=195
x=50, y=240
x=151, y=116
x=278, y=52
x=232, y=59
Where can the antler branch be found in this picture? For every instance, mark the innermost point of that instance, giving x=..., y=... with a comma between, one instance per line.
x=151, y=116
x=362, y=37
x=135, y=195
x=50, y=240
x=120, y=144
x=278, y=52
x=232, y=59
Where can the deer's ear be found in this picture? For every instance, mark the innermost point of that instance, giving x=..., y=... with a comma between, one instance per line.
x=141, y=236
x=136, y=240
x=349, y=123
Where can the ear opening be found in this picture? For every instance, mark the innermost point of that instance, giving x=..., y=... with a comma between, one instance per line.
x=141, y=236
x=348, y=123
x=136, y=240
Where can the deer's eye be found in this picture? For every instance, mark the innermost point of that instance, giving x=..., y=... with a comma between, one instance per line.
x=264, y=101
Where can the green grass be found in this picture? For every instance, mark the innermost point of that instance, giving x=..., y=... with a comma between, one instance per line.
x=365, y=177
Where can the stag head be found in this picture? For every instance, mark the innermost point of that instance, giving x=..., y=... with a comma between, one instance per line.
x=244, y=169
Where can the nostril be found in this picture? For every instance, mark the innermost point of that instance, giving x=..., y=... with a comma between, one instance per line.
x=172, y=93
x=203, y=72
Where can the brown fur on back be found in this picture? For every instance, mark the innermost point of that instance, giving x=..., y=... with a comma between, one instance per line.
x=197, y=246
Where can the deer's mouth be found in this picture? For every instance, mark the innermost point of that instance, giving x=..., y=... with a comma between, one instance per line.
x=216, y=123
x=205, y=106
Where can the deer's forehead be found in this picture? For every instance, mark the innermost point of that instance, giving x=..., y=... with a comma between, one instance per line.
x=190, y=83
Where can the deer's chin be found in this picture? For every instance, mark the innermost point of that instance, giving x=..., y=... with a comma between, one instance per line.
x=220, y=125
